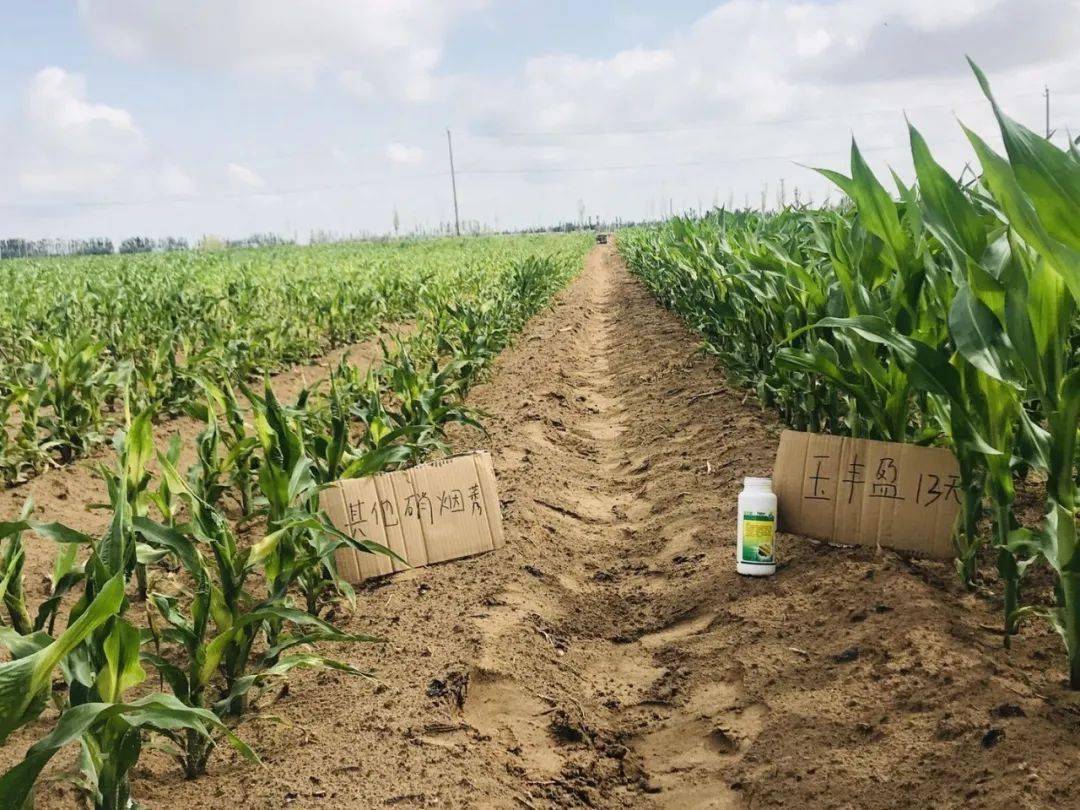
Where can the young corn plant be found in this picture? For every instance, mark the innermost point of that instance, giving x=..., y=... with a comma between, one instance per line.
x=304, y=555
x=12, y=595
x=98, y=654
x=100, y=662
x=206, y=647
x=227, y=448
x=78, y=381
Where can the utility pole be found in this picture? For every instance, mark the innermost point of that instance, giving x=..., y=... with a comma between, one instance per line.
x=453, y=183
x=1046, y=92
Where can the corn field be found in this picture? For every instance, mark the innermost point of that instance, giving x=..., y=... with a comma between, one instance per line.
x=79, y=335
x=120, y=343
x=942, y=313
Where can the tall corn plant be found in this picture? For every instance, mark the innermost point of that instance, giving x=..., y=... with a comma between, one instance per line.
x=1038, y=190
x=946, y=314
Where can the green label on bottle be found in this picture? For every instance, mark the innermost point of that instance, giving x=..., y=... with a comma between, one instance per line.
x=759, y=529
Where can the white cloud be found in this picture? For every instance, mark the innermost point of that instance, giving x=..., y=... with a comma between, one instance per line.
x=748, y=92
x=676, y=116
x=175, y=182
x=67, y=143
x=56, y=105
x=374, y=47
x=809, y=44
x=402, y=154
x=761, y=58
x=935, y=14
x=63, y=146
x=244, y=177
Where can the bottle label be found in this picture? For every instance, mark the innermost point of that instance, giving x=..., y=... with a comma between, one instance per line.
x=759, y=528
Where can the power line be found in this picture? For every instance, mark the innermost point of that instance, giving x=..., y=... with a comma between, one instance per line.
x=728, y=123
x=708, y=161
x=631, y=129
x=475, y=171
x=701, y=161
x=269, y=193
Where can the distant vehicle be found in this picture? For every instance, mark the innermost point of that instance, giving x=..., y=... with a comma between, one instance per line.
x=601, y=238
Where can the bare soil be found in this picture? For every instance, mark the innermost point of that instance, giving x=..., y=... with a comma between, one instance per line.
x=610, y=656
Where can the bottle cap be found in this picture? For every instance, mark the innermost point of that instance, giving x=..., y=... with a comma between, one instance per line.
x=757, y=482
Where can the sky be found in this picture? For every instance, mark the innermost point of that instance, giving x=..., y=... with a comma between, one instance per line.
x=230, y=117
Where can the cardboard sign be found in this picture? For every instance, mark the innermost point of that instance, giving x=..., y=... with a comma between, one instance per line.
x=867, y=493
x=430, y=513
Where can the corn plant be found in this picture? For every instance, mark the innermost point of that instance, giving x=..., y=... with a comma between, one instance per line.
x=12, y=596
x=206, y=650
x=78, y=381
x=100, y=658
x=946, y=312
x=232, y=628
x=155, y=324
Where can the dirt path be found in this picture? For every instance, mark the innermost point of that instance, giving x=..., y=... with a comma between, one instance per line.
x=609, y=656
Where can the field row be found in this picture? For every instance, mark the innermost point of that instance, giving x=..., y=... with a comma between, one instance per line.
x=82, y=337
x=254, y=594
x=947, y=317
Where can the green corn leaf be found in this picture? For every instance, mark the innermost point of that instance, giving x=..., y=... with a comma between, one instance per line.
x=1048, y=175
x=139, y=448
x=1063, y=425
x=878, y=211
x=173, y=541
x=949, y=213
x=290, y=662
x=57, y=532
x=1000, y=179
x=929, y=368
x=24, y=682
x=846, y=184
x=154, y=711
x=377, y=461
x=47, y=610
x=121, y=670
x=64, y=564
x=290, y=640
x=21, y=646
x=979, y=336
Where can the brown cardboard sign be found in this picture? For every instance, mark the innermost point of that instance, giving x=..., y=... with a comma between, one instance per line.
x=867, y=492
x=427, y=514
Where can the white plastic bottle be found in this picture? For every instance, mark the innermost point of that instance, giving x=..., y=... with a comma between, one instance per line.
x=755, y=551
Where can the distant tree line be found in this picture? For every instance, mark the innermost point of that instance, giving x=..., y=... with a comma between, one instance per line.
x=144, y=244
x=36, y=248
x=259, y=240
x=15, y=248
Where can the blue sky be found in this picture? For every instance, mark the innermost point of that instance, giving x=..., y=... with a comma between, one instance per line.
x=232, y=116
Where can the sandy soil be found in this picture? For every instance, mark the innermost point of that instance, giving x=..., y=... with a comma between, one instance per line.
x=609, y=655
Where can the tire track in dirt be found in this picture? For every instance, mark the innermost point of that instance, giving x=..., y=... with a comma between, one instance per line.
x=610, y=475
